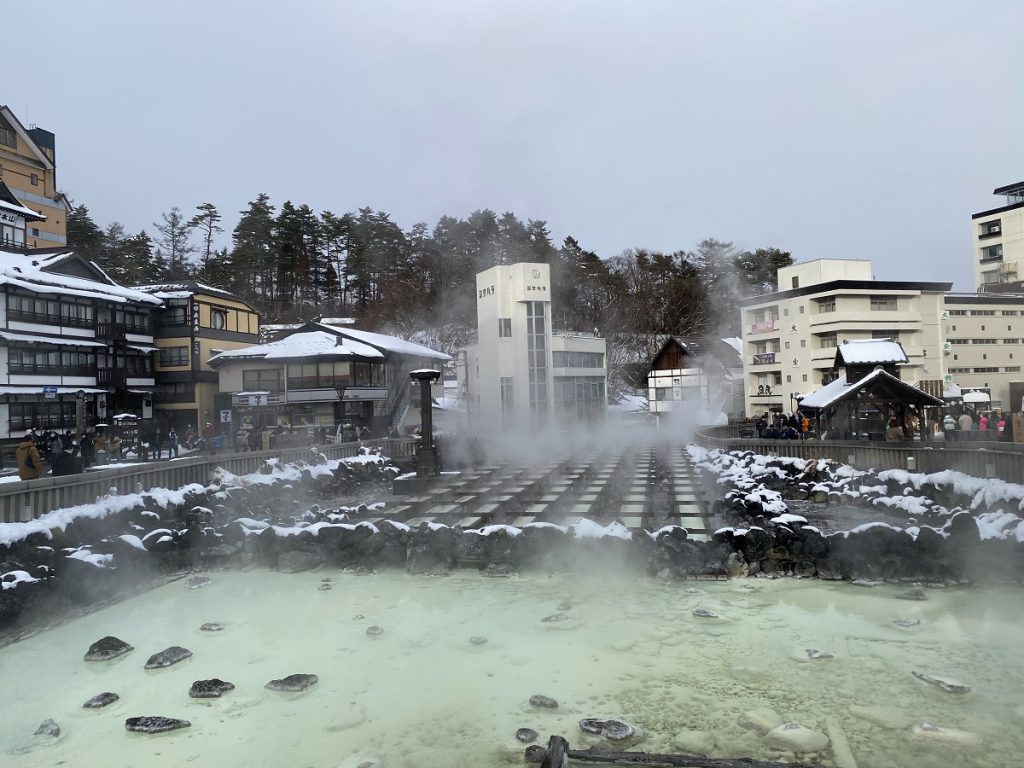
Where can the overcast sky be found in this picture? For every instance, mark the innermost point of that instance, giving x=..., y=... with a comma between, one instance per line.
x=830, y=129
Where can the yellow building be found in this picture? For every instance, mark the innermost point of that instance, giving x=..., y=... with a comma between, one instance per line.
x=196, y=323
x=28, y=169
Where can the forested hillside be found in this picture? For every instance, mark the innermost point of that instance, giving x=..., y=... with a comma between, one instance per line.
x=295, y=264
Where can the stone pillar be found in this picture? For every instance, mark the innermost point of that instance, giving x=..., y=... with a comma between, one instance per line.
x=426, y=452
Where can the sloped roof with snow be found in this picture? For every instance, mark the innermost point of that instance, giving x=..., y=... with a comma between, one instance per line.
x=315, y=340
x=891, y=388
x=870, y=352
x=34, y=272
x=184, y=290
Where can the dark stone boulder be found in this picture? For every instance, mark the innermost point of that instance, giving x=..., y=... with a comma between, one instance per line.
x=168, y=657
x=198, y=582
x=101, y=700
x=155, y=724
x=297, y=562
x=526, y=735
x=209, y=689
x=211, y=626
x=543, y=702
x=107, y=648
x=431, y=550
x=48, y=728
x=293, y=683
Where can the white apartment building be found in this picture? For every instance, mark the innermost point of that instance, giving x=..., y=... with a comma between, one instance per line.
x=790, y=336
x=522, y=373
x=998, y=238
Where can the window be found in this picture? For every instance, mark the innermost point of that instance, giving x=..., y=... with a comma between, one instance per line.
x=218, y=319
x=826, y=305
x=262, y=381
x=804, y=378
x=982, y=312
x=1011, y=341
x=47, y=414
x=537, y=357
x=958, y=313
x=796, y=283
x=1009, y=313
x=176, y=313
x=992, y=253
x=582, y=397
x=176, y=392
x=787, y=345
x=990, y=228
x=890, y=335
x=983, y=341
x=34, y=180
x=803, y=342
x=34, y=310
x=134, y=321
x=777, y=379
x=959, y=341
x=171, y=357
x=1012, y=369
x=138, y=366
x=77, y=313
x=505, y=327
x=577, y=359
x=954, y=327
x=789, y=379
x=801, y=308
x=507, y=401
x=7, y=135
x=985, y=370
x=785, y=312
x=959, y=370
x=828, y=341
x=883, y=304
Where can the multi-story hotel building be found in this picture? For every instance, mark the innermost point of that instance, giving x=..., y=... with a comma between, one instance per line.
x=68, y=332
x=998, y=237
x=28, y=177
x=790, y=336
x=196, y=322
x=521, y=372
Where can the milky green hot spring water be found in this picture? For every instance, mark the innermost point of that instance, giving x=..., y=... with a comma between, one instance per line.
x=422, y=694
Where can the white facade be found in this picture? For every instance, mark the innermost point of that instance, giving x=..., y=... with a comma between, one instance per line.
x=998, y=237
x=790, y=337
x=521, y=372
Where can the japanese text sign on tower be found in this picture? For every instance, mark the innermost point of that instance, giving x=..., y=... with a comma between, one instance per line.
x=225, y=417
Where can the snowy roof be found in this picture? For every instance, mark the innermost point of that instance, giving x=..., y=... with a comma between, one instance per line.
x=320, y=340
x=736, y=343
x=21, y=210
x=183, y=290
x=310, y=344
x=869, y=351
x=66, y=341
x=629, y=404
x=33, y=272
x=836, y=390
x=37, y=389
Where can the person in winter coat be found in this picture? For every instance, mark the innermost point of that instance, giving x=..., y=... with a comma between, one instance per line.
x=67, y=462
x=172, y=443
x=30, y=463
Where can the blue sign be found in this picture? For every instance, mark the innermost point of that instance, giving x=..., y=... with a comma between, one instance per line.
x=49, y=390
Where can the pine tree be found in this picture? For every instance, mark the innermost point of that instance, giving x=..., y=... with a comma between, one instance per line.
x=206, y=222
x=251, y=255
x=174, y=248
x=84, y=236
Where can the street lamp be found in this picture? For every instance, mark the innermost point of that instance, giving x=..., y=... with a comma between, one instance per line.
x=79, y=413
x=426, y=453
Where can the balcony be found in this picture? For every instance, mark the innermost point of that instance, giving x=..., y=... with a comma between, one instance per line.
x=110, y=332
x=111, y=377
x=994, y=232
x=762, y=326
x=765, y=358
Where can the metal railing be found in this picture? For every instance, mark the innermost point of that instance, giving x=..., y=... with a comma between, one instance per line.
x=977, y=458
x=25, y=500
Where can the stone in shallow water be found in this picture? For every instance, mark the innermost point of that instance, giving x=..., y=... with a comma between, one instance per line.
x=613, y=730
x=866, y=583
x=792, y=737
x=948, y=685
x=554, y=617
x=567, y=606
x=949, y=736
x=892, y=718
x=478, y=640
x=913, y=594
x=535, y=753
x=107, y=648
x=210, y=689
x=760, y=720
x=168, y=657
x=155, y=724
x=101, y=700
x=906, y=623
x=811, y=654
x=293, y=683
x=212, y=626
x=543, y=702
x=704, y=613
x=324, y=587
x=48, y=728
x=375, y=630
x=526, y=735
x=695, y=742
x=198, y=582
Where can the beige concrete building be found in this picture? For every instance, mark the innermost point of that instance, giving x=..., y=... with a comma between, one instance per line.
x=998, y=236
x=28, y=171
x=790, y=337
x=984, y=345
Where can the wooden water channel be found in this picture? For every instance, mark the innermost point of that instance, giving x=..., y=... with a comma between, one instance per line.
x=645, y=488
